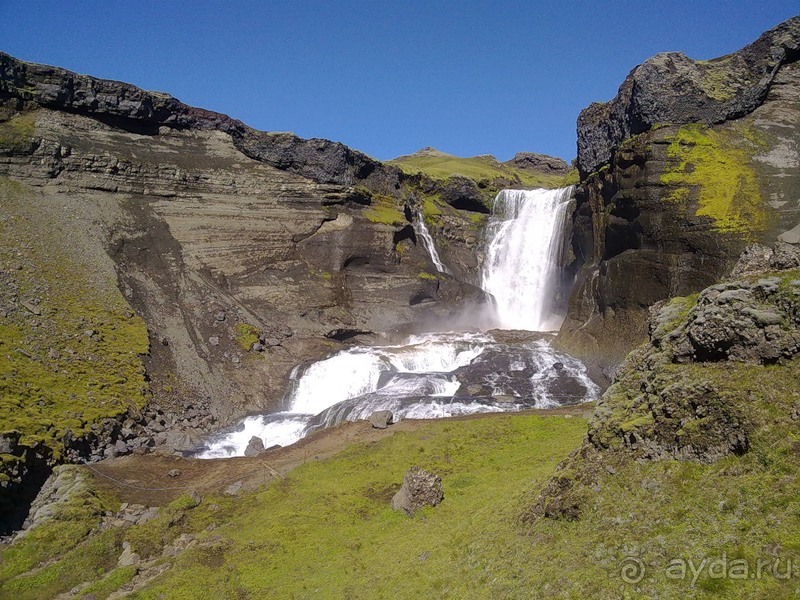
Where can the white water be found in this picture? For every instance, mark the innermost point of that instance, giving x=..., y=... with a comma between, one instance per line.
x=521, y=268
x=447, y=374
x=427, y=242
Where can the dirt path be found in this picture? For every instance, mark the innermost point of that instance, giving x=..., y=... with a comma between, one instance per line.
x=146, y=480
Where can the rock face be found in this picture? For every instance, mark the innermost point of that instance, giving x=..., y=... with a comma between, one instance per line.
x=539, y=163
x=688, y=393
x=420, y=488
x=690, y=164
x=672, y=88
x=232, y=254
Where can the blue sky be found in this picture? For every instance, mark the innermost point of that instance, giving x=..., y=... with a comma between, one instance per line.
x=387, y=78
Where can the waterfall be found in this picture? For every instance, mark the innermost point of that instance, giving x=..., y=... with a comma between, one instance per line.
x=446, y=374
x=427, y=242
x=521, y=269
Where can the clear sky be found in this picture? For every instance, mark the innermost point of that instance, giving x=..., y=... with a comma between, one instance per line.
x=469, y=77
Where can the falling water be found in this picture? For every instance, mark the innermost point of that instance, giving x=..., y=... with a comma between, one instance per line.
x=448, y=373
x=521, y=269
x=427, y=242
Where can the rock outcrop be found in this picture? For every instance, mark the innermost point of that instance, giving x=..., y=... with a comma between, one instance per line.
x=691, y=393
x=672, y=88
x=690, y=164
x=539, y=163
x=420, y=488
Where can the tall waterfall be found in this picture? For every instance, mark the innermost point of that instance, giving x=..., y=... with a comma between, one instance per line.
x=427, y=242
x=521, y=268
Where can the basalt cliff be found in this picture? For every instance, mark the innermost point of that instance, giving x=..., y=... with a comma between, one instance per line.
x=691, y=162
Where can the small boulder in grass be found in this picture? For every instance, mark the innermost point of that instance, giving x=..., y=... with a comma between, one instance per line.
x=381, y=419
x=420, y=488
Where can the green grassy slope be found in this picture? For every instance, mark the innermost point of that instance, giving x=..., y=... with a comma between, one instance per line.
x=327, y=529
x=484, y=170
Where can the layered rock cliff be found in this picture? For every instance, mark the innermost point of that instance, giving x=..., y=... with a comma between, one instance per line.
x=164, y=267
x=690, y=163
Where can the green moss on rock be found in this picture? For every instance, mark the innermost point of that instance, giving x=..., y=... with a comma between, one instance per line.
x=713, y=167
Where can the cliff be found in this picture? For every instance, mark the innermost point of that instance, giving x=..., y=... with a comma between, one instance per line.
x=692, y=162
x=165, y=267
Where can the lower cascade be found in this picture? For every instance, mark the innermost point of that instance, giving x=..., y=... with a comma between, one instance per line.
x=445, y=374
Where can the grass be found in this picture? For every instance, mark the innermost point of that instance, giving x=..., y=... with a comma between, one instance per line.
x=484, y=170
x=327, y=529
x=713, y=168
x=384, y=210
x=16, y=133
x=79, y=361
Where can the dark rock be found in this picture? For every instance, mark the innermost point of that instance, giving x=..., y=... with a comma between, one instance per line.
x=8, y=442
x=672, y=88
x=420, y=488
x=538, y=163
x=463, y=193
x=381, y=419
x=254, y=447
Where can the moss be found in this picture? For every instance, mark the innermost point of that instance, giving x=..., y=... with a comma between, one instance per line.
x=16, y=133
x=384, y=210
x=571, y=178
x=246, y=336
x=427, y=276
x=77, y=363
x=111, y=583
x=714, y=166
x=431, y=209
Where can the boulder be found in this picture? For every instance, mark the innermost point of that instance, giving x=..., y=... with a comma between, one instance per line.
x=420, y=488
x=234, y=488
x=254, y=447
x=381, y=419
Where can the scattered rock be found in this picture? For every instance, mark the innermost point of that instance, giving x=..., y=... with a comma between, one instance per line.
x=128, y=558
x=30, y=307
x=214, y=340
x=420, y=488
x=234, y=488
x=174, y=473
x=220, y=316
x=381, y=419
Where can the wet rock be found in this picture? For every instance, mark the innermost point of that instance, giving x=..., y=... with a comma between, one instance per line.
x=381, y=419
x=254, y=447
x=420, y=488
